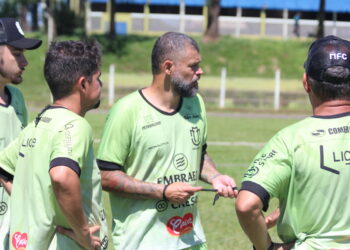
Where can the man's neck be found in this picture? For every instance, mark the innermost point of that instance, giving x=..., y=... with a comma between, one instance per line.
x=333, y=107
x=71, y=103
x=4, y=98
x=162, y=96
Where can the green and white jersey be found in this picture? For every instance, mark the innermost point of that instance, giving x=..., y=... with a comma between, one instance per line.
x=58, y=137
x=157, y=147
x=307, y=167
x=13, y=117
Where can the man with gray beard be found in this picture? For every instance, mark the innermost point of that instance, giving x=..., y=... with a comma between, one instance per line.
x=153, y=153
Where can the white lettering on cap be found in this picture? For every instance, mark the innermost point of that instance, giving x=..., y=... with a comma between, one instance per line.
x=19, y=28
x=338, y=56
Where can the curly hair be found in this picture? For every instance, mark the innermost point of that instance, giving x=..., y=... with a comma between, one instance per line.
x=67, y=61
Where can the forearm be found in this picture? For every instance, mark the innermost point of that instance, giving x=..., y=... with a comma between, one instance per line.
x=254, y=226
x=67, y=192
x=248, y=210
x=123, y=185
x=209, y=171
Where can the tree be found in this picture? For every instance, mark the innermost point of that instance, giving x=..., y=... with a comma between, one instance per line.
x=111, y=18
x=212, y=32
x=321, y=17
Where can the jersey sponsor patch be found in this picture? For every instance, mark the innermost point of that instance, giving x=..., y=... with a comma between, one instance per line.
x=178, y=226
x=19, y=240
x=3, y=208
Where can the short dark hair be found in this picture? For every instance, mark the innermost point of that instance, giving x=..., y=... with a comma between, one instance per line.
x=335, y=86
x=168, y=47
x=67, y=61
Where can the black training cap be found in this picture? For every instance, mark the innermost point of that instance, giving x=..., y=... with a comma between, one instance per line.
x=325, y=53
x=11, y=34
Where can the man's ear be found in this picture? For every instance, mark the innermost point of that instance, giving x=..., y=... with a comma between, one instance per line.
x=81, y=83
x=167, y=66
x=306, y=83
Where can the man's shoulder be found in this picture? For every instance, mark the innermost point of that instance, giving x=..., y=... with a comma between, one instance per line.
x=128, y=102
x=61, y=118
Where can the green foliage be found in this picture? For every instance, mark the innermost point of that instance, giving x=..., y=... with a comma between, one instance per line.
x=242, y=57
x=254, y=57
x=67, y=22
x=8, y=9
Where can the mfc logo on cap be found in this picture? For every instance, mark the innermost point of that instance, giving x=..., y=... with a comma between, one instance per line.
x=338, y=56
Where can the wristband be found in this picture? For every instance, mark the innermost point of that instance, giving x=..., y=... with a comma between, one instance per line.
x=164, y=189
x=269, y=248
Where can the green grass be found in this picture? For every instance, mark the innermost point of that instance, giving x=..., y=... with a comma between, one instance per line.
x=220, y=222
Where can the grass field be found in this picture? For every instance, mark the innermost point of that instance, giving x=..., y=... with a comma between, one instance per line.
x=220, y=223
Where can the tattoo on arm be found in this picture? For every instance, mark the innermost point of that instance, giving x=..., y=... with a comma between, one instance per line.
x=209, y=171
x=123, y=185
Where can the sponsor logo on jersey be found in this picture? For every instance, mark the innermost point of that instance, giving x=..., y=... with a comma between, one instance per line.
x=187, y=177
x=180, y=161
x=191, y=116
x=45, y=119
x=339, y=130
x=189, y=203
x=178, y=226
x=19, y=240
x=68, y=138
x=318, y=133
x=161, y=205
x=195, y=136
x=3, y=208
x=151, y=125
x=29, y=143
x=258, y=163
x=104, y=242
x=103, y=215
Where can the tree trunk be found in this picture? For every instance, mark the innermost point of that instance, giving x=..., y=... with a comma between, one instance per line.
x=34, y=11
x=321, y=17
x=22, y=17
x=112, y=30
x=212, y=32
x=51, y=24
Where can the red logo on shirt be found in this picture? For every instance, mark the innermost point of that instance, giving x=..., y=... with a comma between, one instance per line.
x=177, y=226
x=19, y=240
